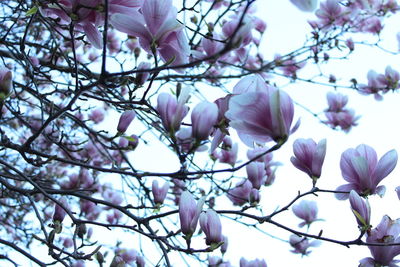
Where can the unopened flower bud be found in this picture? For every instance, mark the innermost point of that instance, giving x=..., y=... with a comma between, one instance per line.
x=125, y=120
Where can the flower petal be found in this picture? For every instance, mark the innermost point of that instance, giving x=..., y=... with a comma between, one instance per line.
x=385, y=166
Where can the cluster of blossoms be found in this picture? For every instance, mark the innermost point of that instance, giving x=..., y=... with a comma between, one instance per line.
x=233, y=42
x=337, y=114
x=259, y=113
x=379, y=84
x=86, y=15
x=358, y=14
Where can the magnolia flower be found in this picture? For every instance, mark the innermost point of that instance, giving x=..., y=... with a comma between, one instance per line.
x=301, y=244
x=262, y=115
x=306, y=210
x=172, y=110
x=241, y=35
x=125, y=120
x=305, y=5
x=361, y=168
x=390, y=79
x=330, y=11
x=59, y=212
x=254, y=196
x=141, y=77
x=211, y=226
x=375, y=85
x=204, y=116
x=388, y=231
x=241, y=193
x=228, y=152
x=189, y=213
x=309, y=157
x=337, y=114
x=159, y=193
x=336, y=101
x=256, y=174
x=251, y=83
x=361, y=210
x=252, y=263
x=157, y=29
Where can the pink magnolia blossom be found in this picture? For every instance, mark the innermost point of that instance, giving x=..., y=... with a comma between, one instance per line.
x=390, y=79
x=254, y=196
x=262, y=115
x=337, y=114
x=125, y=120
x=336, y=101
x=159, y=192
x=172, y=110
x=5, y=82
x=330, y=12
x=252, y=263
x=242, y=35
x=307, y=211
x=256, y=174
x=361, y=210
x=142, y=77
x=189, y=213
x=212, y=45
x=59, y=212
x=289, y=66
x=309, y=157
x=251, y=83
x=374, y=87
x=240, y=194
x=305, y=5
x=302, y=244
x=361, y=168
x=211, y=226
x=204, y=116
x=228, y=153
x=97, y=115
x=157, y=29
x=386, y=232
x=84, y=15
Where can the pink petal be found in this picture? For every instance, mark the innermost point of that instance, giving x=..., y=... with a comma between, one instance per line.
x=156, y=12
x=132, y=24
x=385, y=166
x=93, y=35
x=345, y=188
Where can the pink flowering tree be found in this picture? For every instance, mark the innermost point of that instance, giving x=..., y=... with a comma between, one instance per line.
x=143, y=132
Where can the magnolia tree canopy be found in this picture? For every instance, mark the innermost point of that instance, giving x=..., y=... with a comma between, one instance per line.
x=91, y=89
